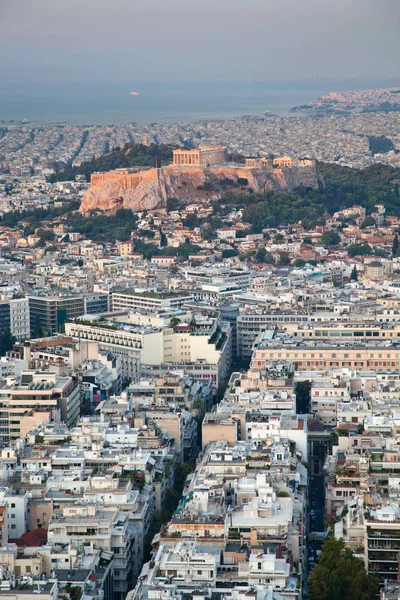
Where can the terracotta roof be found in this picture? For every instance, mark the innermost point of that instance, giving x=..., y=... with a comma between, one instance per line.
x=36, y=537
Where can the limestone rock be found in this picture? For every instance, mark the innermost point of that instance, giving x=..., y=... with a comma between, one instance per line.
x=149, y=189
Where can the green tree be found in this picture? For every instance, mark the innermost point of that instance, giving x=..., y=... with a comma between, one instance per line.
x=339, y=575
x=368, y=222
x=192, y=221
x=381, y=252
x=208, y=233
x=359, y=250
x=229, y=253
x=303, y=390
x=173, y=204
x=354, y=274
x=163, y=239
x=299, y=262
x=330, y=238
x=283, y=259
x=131, y=155
x=395, y=246
x=7, y=341
x=260, y=255
x=38, y=331
x=172, y=499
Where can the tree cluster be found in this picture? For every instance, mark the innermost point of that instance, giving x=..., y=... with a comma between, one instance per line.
x=131, y=155
x=339, y=575
x=359, y=250
x=172, y=499
x=7, y=340
x=343, y=188
x=330, y=238
x=103, y=227
x=379, y=144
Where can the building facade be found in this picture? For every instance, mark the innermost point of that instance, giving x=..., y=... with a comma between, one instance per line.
x=205, y=156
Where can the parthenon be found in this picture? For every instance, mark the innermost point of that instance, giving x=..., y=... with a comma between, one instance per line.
x=205, y=156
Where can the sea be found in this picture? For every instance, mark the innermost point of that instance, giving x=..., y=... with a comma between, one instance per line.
x=111, y=103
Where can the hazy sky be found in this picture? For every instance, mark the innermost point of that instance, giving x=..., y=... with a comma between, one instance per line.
x=184, y=40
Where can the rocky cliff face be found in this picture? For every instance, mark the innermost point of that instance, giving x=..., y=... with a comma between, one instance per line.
x=149, y=189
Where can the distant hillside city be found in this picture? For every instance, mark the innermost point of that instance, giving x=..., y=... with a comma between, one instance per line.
x=200, y=357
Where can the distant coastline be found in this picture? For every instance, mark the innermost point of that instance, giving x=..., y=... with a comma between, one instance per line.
x=111, y=103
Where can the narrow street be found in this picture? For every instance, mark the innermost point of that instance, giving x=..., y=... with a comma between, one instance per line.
x=316, y=517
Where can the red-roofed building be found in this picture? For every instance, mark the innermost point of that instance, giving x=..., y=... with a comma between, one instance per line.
x=34, y=538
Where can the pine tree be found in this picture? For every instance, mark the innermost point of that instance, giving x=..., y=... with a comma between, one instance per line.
x=163, y=239
x=395, y=246
x=38, y=329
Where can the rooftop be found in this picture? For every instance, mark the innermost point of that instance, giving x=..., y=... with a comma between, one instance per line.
x=158, y=295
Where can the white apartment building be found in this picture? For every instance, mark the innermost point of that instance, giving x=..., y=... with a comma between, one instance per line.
x=240, y=278
x=184, y=561
x=125, y=344
x=353, y=413
x=325, y=394
x=147, y=300
x=265, y=569
x=112, y=492
x=270, y=516
x=20, y=324
x=106, y=528
x=157, y=346
x=17, y=512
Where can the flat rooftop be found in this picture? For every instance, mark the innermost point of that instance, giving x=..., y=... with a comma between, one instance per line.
x=156, y=295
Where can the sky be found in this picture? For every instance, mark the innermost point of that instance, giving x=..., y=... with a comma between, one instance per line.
x=197, y=40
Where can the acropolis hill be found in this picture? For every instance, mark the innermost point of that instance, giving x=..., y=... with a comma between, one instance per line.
x=200, y=174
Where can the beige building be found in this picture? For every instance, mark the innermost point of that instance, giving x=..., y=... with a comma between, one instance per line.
x=124, y=248
x=314, y=357
x=37, y=397
x=283, y=161
x=31, y=562
x=356, y=331
x=218, y=427
x=375, y=270
x=41, y=510
x=258, y=162
x=205, y=156
x=172, y=423
x=164, y=261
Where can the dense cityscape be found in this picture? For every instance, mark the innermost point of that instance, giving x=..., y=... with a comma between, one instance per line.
x=196, y=396
x=199, y=300
x=345, y=138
